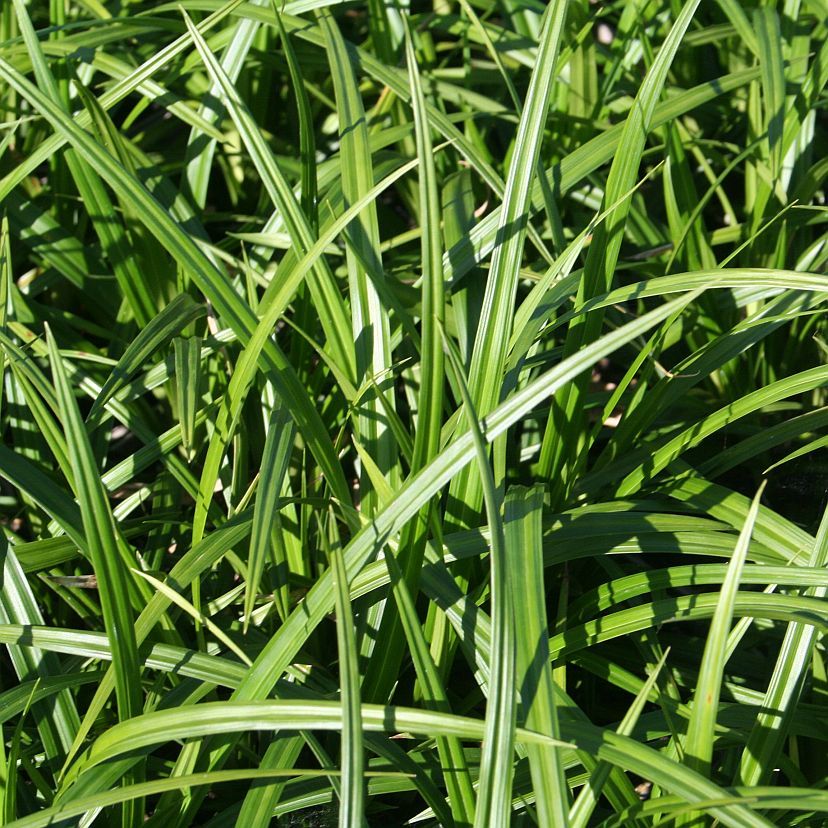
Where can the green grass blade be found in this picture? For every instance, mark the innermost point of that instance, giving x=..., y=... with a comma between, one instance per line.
x=698, y=745
x=523, y=527
x=57, y=722
x=658, y=459
x=201, y=148
x=28, y=477
x=340, y=342
x=159, y=333
x=494, y=791
x=602, y=256
x=274, y=466
x=769, y=39
x=102, y=543
x=494, y=328
x=281, y=193
x=256, y=229
x=213, y=718
x=259, y=804
x=200, y=617
x=768, y=733
x=115, y=241
x=307, y=141
x=384, y=666
x=736, y=15
x=117, y=93
x=80, y=807
x=352, y=807
x=457, y=778
x=584, y=806
x=369, y=322
x=187, y=386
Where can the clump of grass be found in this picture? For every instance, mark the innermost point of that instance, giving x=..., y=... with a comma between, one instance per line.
x=413, y=414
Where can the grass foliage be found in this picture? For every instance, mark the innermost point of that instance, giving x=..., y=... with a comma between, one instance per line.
x=414, y=414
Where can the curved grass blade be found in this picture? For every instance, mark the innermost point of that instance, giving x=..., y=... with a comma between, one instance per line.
x=102, y=543
x=213, y=718
x=664, y=455
x=199, y=617
x=111, y=232
x=282, y=195
x=201, y=147
x=79, y=807
x=156, y=335
x=698, y=745
x=584, y=806
x=768, y=733
x=57, y=721
x=494, y=795
x=324, y=291
x=117, y=93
